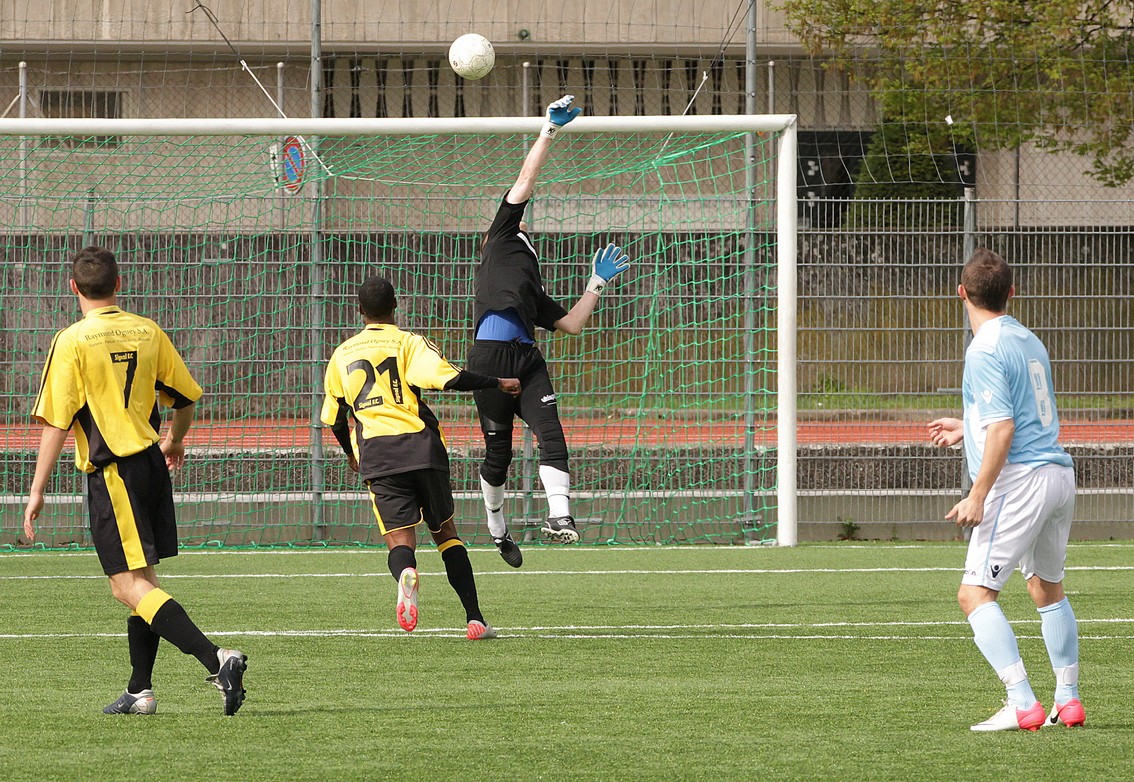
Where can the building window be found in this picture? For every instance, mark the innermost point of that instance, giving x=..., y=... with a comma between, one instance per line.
x=81, y=104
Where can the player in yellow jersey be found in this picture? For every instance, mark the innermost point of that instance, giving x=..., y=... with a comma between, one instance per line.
x=397, y=447
x=105, y=377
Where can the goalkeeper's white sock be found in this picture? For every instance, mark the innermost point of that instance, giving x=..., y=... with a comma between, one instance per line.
x=557, y=485
x=493, y=506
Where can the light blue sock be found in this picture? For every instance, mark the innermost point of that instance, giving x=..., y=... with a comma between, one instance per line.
x=997, y=642
x=1061, y=635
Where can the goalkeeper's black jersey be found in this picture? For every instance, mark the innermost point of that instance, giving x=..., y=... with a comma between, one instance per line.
x=508, y=275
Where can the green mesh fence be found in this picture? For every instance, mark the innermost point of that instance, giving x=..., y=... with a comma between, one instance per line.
x=255, y=284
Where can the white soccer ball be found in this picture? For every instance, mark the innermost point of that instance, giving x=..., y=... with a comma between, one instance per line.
x=472, y=56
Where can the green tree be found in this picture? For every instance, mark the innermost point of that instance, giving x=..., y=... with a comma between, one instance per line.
x=1058, y=73
x=905, y=160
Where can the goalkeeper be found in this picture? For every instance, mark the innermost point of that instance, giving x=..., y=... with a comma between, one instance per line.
x=510, y=303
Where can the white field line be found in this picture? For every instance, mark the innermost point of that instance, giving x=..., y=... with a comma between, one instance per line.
x=557, y=551
x=627, y=632
x=531, y=572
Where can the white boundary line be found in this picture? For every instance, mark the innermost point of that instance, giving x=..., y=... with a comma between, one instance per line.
x=620, y=632
x=532, y=572
x=558, y=551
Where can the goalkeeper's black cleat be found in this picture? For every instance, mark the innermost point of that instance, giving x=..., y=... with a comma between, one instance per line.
x=561, y=529
x=509, y=550
x=230, y=679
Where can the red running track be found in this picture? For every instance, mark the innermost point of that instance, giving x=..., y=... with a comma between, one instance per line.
x=256, y=434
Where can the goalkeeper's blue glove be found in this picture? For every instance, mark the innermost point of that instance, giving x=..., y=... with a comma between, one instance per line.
x=559, y=113
x=608, y=263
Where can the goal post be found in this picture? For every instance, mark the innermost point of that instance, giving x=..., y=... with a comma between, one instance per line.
x=246, y=239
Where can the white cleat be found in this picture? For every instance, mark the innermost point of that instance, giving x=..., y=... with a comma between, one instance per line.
x=480, y=631
x=1011, y=718
x=407, y=599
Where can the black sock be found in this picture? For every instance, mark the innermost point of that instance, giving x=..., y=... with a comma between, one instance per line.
x=174, y=625
x=459, y=570
x=143, y=652
x=400, y=558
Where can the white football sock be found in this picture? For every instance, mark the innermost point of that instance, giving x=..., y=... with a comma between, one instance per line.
x=557, y=485
x=1061, y=636
x=493, y=507
x=997, y=642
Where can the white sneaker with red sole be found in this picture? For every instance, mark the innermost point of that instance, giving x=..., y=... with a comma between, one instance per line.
x=407, y=599
x=1011, y=718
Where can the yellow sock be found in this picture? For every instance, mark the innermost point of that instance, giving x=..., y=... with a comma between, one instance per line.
x=149, y=605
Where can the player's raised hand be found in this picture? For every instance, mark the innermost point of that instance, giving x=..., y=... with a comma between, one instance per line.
x=509, y=385
x=607, y=264
x=559, y=112
x=610, y=262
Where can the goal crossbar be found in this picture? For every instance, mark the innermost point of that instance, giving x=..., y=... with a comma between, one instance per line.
x=405, y=126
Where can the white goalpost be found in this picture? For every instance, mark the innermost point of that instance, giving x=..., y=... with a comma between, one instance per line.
x=263, y=189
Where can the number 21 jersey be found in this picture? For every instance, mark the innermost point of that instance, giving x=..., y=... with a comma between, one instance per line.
x=378, y=375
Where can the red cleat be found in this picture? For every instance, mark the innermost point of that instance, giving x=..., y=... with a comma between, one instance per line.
x=1070, y=714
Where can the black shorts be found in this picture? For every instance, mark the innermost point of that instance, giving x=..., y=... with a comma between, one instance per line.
x=409, y=498
x=131, y=512
x=536, y=404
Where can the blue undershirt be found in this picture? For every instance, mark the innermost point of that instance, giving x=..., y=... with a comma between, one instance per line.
x=503, y=326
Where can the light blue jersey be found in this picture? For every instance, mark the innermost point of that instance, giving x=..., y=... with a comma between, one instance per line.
x=1008, y=376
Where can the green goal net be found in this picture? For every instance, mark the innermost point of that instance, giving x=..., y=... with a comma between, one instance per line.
x=248, y=250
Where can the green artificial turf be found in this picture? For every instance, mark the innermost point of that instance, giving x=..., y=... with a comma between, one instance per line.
x=820, y=662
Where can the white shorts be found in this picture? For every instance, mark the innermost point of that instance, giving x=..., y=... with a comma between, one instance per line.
x=1028, y=525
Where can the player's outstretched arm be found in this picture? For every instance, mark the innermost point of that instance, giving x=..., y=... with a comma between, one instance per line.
x=50, y=446
x=559, y=113
x=608, y=263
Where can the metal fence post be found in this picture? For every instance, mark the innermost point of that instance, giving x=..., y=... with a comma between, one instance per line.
x=315, y=301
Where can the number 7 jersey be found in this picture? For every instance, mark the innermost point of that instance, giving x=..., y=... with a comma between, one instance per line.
x=107, y=373
x=378, y=375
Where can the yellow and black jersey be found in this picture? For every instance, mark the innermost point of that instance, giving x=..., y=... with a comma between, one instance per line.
x=107, y=373
x=378, y=375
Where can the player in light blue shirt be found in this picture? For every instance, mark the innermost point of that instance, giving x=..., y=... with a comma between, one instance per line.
x=1008, y=377
x=1022, y=498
